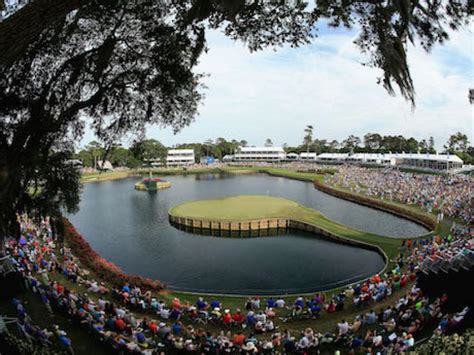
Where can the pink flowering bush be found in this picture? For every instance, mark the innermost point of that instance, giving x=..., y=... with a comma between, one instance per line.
x=104, y=269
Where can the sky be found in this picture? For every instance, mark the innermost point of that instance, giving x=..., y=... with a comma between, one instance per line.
x=276, y=93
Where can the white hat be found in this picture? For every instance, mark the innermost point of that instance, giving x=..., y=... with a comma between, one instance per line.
x=249, y=347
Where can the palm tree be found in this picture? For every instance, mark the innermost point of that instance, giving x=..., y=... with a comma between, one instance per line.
x=308, y=138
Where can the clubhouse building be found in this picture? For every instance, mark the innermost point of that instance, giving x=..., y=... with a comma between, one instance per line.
x=180, y=157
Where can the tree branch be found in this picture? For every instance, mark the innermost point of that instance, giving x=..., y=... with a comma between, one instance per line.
x=21, y=29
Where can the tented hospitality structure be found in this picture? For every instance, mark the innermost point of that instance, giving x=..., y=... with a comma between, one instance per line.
x=266, y=154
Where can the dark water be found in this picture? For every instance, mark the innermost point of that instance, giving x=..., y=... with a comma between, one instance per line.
x=131, y=228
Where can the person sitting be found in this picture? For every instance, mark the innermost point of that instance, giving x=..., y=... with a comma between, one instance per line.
x=165, y=313
x=238, y=317
x=239, y=339
x=280, y=303
x=255, y=303
x=258, y=327
x=227, y=318
x=201, y=304
x=153, y=327
x=331, y=307
x=154, y=304
x=261, y=317
x=270, y=303
x=216, y=313
x=176, y=303
x=270, y=313
x=356, y=324
x=342, y=329
x=250, y=319
x=371, y=318
x=141, y=338
x=126, y=288
x=177, y=328
x=175, y=314
x=163, y=330
x=269, y=326
x=314, y=309
x=390, y=325
x=299, y=303
x=120, y=325
x=216, y=304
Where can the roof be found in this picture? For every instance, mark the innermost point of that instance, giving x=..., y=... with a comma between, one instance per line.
x=181, y=151
x=417, y=156
x=262, y=149
x=333, y=155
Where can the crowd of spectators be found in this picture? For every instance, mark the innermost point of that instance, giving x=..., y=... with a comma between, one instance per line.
x=133, y=320
x=451, y=195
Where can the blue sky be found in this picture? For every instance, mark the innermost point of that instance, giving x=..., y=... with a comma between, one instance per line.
x=275, y=94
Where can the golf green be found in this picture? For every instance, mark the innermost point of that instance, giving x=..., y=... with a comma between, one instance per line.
x=238, y=208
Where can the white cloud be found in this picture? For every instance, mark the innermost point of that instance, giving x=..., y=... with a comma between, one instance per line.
x=275, y=95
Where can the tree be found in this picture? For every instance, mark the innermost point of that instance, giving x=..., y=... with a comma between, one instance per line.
x=268, y=143
x=333, y=146
x=308, y=137
x=96, y=151
x=457, y=142
x=431, y=145
x=423, y=146
x=208, y=144
x=351, y=143
x=411, y=145
x=148, y=151
x=372, y=142
x=386, y=26
x=121, y=156
x=100, y=64
x=243, y=143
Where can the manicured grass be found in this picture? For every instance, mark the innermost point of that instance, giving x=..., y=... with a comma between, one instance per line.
x=115, y=175
x=237, y=208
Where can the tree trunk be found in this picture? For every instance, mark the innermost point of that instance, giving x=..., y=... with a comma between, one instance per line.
x=9, y=190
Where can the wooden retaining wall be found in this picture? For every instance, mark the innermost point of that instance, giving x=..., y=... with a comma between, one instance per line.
x=268, y=224
x=231, y=226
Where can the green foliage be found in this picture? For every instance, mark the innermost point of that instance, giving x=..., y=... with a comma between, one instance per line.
x=449, y=344
x=458, y=142
x=147, y=151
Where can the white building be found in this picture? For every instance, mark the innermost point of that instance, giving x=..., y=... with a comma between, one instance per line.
x=308, y=156
x=180, y=157
x=416, y=160
x=266, y=154
x=430, y=161
x=332, y=157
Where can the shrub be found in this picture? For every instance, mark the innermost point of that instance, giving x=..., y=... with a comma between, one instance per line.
x=104, y=269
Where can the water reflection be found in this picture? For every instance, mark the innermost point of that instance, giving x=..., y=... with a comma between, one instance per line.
x=131, y=228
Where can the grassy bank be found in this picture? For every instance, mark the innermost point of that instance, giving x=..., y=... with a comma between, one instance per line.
x=116, y=175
